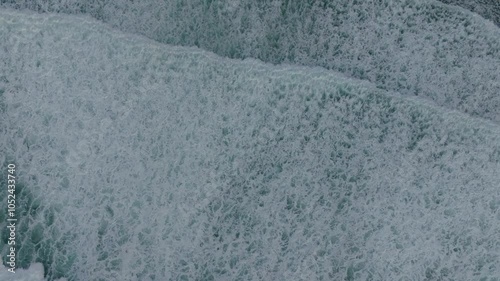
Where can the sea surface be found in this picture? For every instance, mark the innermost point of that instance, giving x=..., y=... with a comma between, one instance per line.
x=250, y=140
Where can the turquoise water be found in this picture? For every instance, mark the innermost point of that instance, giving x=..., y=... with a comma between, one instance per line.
x=139, y=160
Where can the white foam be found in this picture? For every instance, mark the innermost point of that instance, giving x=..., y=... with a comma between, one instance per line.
x=422, y=48
x=147, y=161
x=33, y=273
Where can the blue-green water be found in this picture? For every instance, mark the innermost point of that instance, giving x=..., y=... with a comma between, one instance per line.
x=139, y=160
x=422, y=48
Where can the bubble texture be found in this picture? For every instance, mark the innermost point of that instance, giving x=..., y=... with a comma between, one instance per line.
x=423, y=48
x=489, y=9
x=144, y=161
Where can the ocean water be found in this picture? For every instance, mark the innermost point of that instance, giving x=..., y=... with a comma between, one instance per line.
x=442, y=53
x=489, y=9
x=139, y=160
